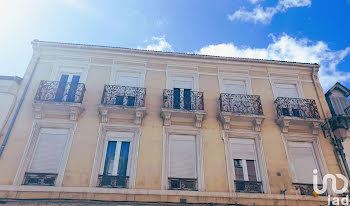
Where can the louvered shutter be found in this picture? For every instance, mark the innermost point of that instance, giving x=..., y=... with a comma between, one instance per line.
x=49, y=151
x=303, y=158
x=183, y=83
x=339, y=104
x=128, y=79
x=182, y=156
x=287, y=90
x=243, y=149
x=234, y=87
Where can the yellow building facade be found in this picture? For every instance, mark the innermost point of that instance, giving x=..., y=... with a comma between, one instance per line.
x=103, y=125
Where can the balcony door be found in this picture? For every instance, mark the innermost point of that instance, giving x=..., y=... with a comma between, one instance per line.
x=65, y=78
x=182, y=91
x=128, y=79
x=287, y=90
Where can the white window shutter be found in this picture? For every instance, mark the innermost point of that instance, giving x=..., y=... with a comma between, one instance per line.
x=303, y=158
x=235, y=87
x=49, y=151
x=243, y=149
x=182, y=156
x=183, y=83
x=287, y=90
x=128, y=79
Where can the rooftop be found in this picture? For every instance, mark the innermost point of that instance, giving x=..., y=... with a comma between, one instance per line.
x=176, y=54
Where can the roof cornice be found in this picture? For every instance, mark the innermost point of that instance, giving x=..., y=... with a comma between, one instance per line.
x=37, y=43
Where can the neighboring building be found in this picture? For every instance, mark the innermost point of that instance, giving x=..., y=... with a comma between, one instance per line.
x=8, y=95
x=338, y=127
x=104, y=125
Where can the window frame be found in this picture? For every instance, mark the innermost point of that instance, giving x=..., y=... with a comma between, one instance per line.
x=139, y=71
x=117, y=136
x=317, y=152
x=296, y=82
x=171, y=75
x=105, y=131
x=32, y=143
x=182, y=130
x=260, y=162
x=69, y=69
x=238, y=77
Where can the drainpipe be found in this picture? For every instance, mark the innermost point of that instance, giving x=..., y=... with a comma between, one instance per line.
x=18, y=108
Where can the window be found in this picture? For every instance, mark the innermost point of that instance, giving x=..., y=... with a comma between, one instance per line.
x=303, y=160
x=115, y=168
x=128, y=79
x=183, y=83
x=246, y=174
x=67, y=80
x=47, y=157
x=182, y=89
x=287, y=90
x=234, y=87
x=183, y=161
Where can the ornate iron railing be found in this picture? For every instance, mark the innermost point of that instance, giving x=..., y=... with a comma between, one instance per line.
x=241, y=104
x=55, y=91
x=307, y=189
x=347, y=110
x=182, y=184
x=248, y=186
x=296, y=107
x=183, y=99
x=112, y=181
x=123, y=96
x=40, y=179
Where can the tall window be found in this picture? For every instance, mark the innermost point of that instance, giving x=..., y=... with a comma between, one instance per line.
x=61, y=94
x=246, y=172
x=183, y=162
x=47, y=157
x=116, y=163
x=182, y=89
x=303, y=160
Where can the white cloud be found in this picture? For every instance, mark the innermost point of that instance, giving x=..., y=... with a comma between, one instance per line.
x=264, y=15
x=254, y=1
x=287, y=48
x=158, y=44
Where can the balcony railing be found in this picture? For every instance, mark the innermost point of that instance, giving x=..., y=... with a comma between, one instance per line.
x=40, y=179
x=296, y=107
x=123, y=96
x=241, y=104
x=307, y=189
x=248, y=186
x=112, y=181
x=55, y=91
x=347, y=110
x=183, y=99
x=182, y=184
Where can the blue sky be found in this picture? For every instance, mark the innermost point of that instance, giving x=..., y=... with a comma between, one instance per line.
x=294, y=30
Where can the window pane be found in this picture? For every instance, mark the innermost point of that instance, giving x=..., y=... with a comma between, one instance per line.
x=123, y=159
x=251, y=170
x=238, y=169
x=109, y=162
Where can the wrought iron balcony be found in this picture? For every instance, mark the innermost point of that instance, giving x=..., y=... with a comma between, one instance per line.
x=248, y=186
x=112, y=181
x=40, y=179
x=241, y=104
x=55, y=91
x=182, y=184
x=347, y=110
x=307, y=189
x=296, y=107
x=183, y=99
x=123, y=96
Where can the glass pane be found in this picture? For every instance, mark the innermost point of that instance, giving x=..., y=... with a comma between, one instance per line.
x=123, y=159
x=238, y=169
x=110, y=154
x=251, y=170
